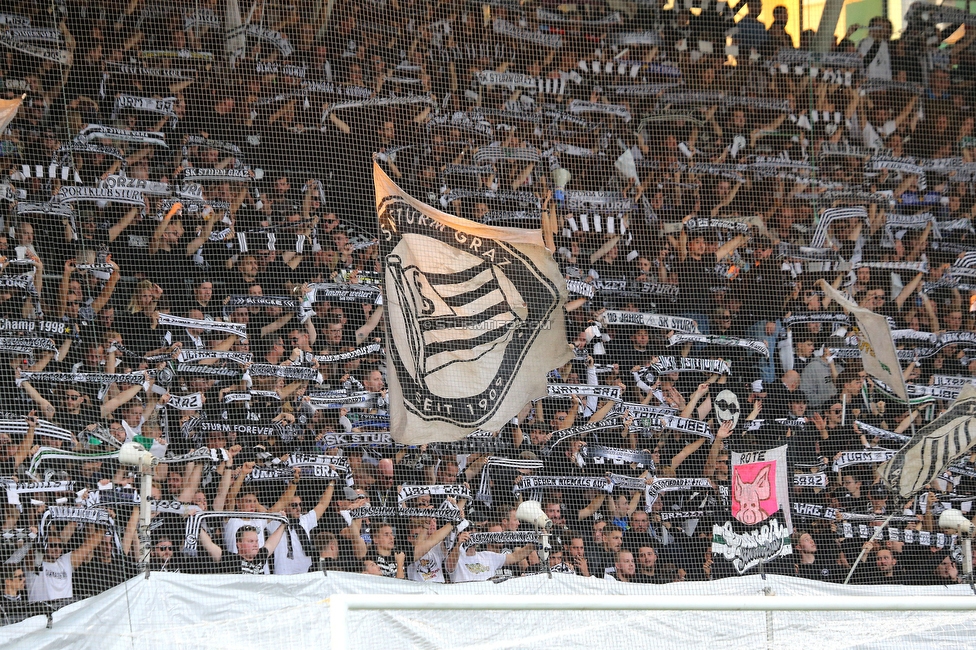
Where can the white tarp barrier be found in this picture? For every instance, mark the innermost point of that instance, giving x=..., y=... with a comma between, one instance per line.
x=292, y=612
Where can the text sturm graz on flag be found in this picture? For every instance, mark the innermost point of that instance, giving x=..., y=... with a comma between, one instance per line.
x=459, y=300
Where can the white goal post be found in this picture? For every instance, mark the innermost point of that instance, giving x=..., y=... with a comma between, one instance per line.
x=341, y=604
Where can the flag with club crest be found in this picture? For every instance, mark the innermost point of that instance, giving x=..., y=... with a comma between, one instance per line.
x=474, y=318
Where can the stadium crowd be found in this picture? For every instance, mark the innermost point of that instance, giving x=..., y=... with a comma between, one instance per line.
x=189, y=262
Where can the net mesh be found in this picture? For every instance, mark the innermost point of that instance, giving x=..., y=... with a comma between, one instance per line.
x=585, y=241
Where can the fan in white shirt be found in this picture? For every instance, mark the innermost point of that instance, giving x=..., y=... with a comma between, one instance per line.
x=479, y=566
x=52, y=581
x=428, y=550
x=292, y=555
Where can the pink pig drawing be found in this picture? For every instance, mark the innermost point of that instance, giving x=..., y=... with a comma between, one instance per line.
x=748, y=496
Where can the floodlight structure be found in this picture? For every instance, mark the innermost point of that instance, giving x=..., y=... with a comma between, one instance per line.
x=954, y=522
x=530, y=512
x=132, y=454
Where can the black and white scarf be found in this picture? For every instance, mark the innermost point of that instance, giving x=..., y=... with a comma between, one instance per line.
x=814, y=510
x=95, y=516
x=294, y=373
x=87, y=377
x=954, y=381
x=198, y=56
x=283, y=69
x=242, y=358
x=705, y=223
x=378, y=102
x=162, y=106
x=839, y=318
x=46, y=454
x=507, y=539
x=146, y=187
x=408, y=492
x=114, y=497
x=494, y=153
x=99, y=132
x=331, y=292
x=236, y=301
x=606, y=202
x=675, y=423
x=656, y=321
x=15, y=489
x=246, y=397
x=445, y=512
x=484, y=489
x=172, y=74
x=193, y=402
x=644, y=90
x=194, y=370
x=54, y=54
x=667, y=365
x=578, y=106
x=226, y=427
x=587, y=390
x=818, y=480
x=21, y=283
x=519, y=197
x=927, y=538
x=625, y=288
x=600, y=455
x=538, y=483
x=230, y=174
x=756, y=345
x=642, y=410
x=505, y=28
x=197, y=519
x=47, y=345
x=359, y=439
x=43, y=428
x=50, y=209
x=366, y=350
x=653, y=490
x=595, y=428
x=629, y=483
x=342, y=397
x=277, y=39
x=876, y=455
x=472, y=445
x=238, y=329
x=72, y=193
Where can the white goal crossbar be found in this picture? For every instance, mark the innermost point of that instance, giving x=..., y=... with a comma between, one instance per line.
x=341, y=604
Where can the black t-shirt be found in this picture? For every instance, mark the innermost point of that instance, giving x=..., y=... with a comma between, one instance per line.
x=234, y=563
x=695, y=277
x=94, y=576
x=386, y=563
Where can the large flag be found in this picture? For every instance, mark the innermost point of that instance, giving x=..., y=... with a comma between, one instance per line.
x=474, y=318
x=8, y=111
x=934, y=447
x=760, y=526
x=236, y=39
x=878, y=352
